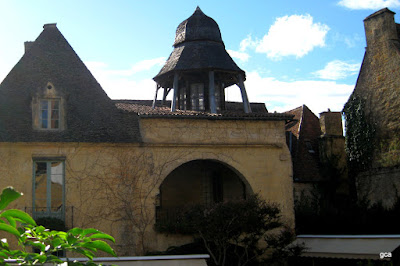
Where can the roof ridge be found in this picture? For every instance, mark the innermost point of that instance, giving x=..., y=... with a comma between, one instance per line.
x=381, y=11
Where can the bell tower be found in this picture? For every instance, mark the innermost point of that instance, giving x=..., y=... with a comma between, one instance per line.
x=199, y=68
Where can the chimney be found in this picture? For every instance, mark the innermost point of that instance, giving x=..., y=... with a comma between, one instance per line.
x=28, y=45
x=50, y=25
x=331, y=123
x=380, y=27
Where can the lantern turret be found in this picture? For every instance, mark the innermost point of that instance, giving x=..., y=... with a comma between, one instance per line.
x=199, y=68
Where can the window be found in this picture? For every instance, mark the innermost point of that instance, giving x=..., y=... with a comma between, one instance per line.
x=49, y=114
x=48, y=189
x=309, y=147
x=197, y=96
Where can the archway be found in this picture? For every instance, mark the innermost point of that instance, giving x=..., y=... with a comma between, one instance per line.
x=200, y=182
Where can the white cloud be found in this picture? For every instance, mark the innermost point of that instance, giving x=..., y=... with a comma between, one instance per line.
x=120, y=84
x=148, y=64
x=143, y=65
x=242, y=56
x=282, y=96
x=369, y=4
x=248, y=42
x=295, y=35
x=337, y=69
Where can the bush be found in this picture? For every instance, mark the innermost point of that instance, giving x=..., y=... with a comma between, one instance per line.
x=230, y=231
x=46, y=242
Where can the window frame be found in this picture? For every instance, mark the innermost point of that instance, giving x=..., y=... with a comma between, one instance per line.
x=48, y=209
x=50, y=110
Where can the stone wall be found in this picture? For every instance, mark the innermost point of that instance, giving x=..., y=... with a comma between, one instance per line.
x=378, y=81
x=114, y=187
x=379, y=186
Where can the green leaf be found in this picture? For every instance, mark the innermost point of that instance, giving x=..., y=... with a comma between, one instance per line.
x=102, y=236
x=100, y=245
x=11, y=221
x=42, y=258
x=85, y=253
x=90, y=231
x=38, y=245
x=4, y=244
x=40, y=229
x=71, y=239
x=75, y=231
x=8, y=195
x=60, y=234
x=56, y=242
x=20, y=215
x=10, y=229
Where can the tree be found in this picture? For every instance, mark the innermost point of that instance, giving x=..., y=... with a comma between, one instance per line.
x=244, y=229
x=46, y=242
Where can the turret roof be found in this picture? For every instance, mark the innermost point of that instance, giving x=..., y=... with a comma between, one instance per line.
x=198, y=46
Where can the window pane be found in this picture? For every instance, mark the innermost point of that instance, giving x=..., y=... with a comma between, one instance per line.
x=43, y=118
x=55, y=104
x=40, y=185
x=49, y=188
x=43, y=105
x=50, y=114
x=54, y=114
x=44, y=123
x=56, y=185
x=54, y=124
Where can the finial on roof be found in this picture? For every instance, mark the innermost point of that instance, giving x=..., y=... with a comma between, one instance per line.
x=198, y=8
x=50, y=25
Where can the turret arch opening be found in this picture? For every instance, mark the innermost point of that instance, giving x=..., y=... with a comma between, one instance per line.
x=202, y=182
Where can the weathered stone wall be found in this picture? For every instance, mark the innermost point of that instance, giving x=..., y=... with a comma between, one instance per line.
x=111, y=186
x=203, y=131
x=379, y=78
x=379, y=186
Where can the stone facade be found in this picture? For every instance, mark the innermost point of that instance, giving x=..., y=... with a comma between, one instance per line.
x=94, y=188
x=378, y=81
x=116, y=169
x=378, y=87
x=379, y=186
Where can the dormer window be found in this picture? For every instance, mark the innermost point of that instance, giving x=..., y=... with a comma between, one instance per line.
x=48, y=109
x=49, y=113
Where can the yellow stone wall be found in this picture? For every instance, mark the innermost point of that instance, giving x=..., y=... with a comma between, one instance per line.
x=108, y=184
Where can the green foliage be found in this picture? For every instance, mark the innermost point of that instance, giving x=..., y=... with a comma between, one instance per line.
x=230, y=230
x=360, y=134
x=86, y=242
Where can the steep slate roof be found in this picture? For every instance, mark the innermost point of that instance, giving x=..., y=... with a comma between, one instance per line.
x=305, y=128
x=91, y=116
x=198, y=46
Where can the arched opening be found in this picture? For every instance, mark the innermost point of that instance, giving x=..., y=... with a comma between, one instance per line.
x=199, y=182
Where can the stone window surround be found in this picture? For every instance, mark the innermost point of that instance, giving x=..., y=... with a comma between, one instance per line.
x=49, y=92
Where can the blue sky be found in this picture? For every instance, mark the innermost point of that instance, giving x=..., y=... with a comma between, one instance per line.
x=294, y=52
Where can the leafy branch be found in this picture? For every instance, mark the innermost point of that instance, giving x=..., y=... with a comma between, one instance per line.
x=45, y=242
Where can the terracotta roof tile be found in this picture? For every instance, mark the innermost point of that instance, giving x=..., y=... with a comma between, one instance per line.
x=304, y=144
x=144, y=109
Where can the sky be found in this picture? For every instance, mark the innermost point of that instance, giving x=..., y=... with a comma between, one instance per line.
x=294, y=52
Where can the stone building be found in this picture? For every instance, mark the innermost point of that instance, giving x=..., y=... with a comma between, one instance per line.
x=318, y=153
x=119, y=165
x=373, y=111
